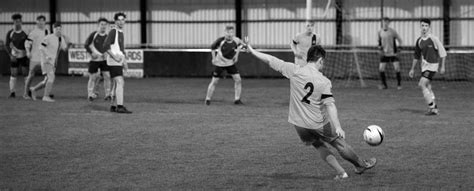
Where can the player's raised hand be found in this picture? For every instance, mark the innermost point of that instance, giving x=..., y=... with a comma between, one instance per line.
x=340, y=133
x=442, y=70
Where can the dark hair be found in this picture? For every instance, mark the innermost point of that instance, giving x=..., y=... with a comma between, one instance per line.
x=56, y=24
x=102, y=19
x=229, y=27
x=41, y=17
x=386, y=19
x=117, y=15
x=315, y=52
x=425, y=20
x=16, y=16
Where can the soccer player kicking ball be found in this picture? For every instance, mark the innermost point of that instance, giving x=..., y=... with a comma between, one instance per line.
x=431, y=53
x=50, y=47
x=114, y=46
x=94, y=46
x=225, y=53
x=312, y=109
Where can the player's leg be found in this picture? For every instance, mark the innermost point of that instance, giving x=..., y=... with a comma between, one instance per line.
x=106, y=75
x=348, y=153
x=396, y=67
x=237, y=88
x=312, y=139
x=116, y=73
x=107, y=85
x=12, y=83
x=212, y=85
x=31, y=73
x=24, y=64
x=49, y=83
x=93, y=74
x=383, y=78
x=428, y=94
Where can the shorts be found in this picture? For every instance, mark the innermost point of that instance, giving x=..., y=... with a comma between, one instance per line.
x=48, y=68
x=95, y=65
x=115, y=71
x=317, y=137
x=23, y=62
x=428, y=74
x=218, y=71
x=387, y=59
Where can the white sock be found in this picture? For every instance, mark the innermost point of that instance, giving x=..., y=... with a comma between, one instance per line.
x=428, y=96
x=119, y=91
x=107, y=86
x=12, y=84
x=210, y=90
x=238, y=90
x=91, y=84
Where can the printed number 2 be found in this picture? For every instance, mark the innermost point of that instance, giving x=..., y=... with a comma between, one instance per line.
x=311, y=88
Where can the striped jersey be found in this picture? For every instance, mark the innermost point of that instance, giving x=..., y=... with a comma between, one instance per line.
x=429, y=49
x=15, y=43
x=226, y=50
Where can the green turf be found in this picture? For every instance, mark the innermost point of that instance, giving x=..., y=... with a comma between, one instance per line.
x=173, y=141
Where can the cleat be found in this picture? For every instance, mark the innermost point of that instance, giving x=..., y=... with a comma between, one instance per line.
x=432, y=111
x=51, y=95
x=341, y=176
x=12, y=95
x=33, y=94
x=238, y=102
x=399, y=88
x=29, y=92
x=108, y=98
x=382, y=87
x=207, y=102
x=48, y=99
x=113, y=109
x=370, y=163
x=90, y=99
x=26, y=97
x=123, y=110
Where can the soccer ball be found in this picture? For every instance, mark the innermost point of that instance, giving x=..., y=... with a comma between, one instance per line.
x=373, y=135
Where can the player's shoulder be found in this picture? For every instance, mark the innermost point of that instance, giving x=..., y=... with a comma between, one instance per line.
x=433, y=37
x=300, y=34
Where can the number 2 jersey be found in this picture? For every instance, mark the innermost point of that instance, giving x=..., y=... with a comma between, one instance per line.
x=309, y=91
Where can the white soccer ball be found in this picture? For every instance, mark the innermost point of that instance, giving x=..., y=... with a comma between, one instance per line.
x=373, y=135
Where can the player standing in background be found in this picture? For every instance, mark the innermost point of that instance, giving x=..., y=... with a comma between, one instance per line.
x=50, y=48
x=302, y=41
x=33, y=44
x=225, y=53
x=388, y=50
x=116, y=60
x=15, y=46
x=94, y=46
x=430, y=51
x=312, y=110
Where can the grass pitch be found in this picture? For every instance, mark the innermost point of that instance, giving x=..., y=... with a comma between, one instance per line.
x=174, y=141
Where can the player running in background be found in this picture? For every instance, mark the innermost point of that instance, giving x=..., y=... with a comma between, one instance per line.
x=33, y=44
x=51, y=45
x=387, y=38
x=312, y=109
x=94, y=46
x=114, y=46
x=430, y=51
x=15, y=46
x=225, y=53
x=302, y=41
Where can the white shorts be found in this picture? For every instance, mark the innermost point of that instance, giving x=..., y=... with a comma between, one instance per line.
x=425, y=66
x=47, y=68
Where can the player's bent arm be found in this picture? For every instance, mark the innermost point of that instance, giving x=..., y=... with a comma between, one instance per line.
x=284, y=68
x=333, y=118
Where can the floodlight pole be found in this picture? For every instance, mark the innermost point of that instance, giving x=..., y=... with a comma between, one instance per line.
x=238, y=18
x=53, y=10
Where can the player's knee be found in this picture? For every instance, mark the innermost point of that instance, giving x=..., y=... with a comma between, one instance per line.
x=119, y=82
x=214, y=81
x=106, y=75
x=50, y=76
x=237, y=79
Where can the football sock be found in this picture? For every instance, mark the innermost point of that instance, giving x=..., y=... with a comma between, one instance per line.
x=210, y=90
x=327, y=156
x=383, y=78
x=238, y=89
x=119, y=92
x=12, y=83
x=399, y=79
x=427, y=95
x=91, y=84
x=347, y=152
x=107, y=86
x=48, y=88
x=28, y=83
